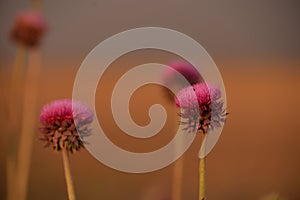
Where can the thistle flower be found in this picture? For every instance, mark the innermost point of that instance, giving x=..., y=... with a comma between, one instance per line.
x=172, y=79
x=28, y=28
x=58, y=124
x=201, y=103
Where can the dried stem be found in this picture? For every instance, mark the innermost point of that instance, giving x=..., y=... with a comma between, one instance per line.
x=28, y=124
x=13, y=125
x=177, y=175
x=202, y=175
x=202, y=179
x=68, y=176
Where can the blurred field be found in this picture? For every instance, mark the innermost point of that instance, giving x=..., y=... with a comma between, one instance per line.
x=257, y=154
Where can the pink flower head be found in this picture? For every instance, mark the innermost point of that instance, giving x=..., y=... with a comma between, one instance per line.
x=173, y=79
x=58, y=121
x=28, y=28
x=201, y=103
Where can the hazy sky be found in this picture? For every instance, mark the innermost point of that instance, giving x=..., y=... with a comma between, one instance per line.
x=225, y=28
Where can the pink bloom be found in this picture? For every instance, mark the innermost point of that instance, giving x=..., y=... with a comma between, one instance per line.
x=201, y=103
x=58, y=126
x=172, y=79
x=28, y=28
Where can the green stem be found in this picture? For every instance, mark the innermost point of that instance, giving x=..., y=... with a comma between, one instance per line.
x=68, y=176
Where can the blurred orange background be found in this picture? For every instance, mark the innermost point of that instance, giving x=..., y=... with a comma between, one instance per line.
x=256, y=47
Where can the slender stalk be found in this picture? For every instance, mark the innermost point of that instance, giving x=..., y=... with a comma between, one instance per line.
x=14, y=109
x=177, y=175
x=28, y=124
x=10, y=174
x=202, y=175
x=202, y=179
x=68, y=176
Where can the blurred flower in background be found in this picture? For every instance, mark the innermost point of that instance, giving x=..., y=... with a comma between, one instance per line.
x=58, y=124
x=27, y=31
x=174, y=80
x=28, y=28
